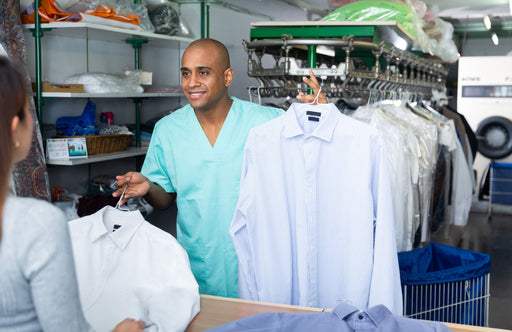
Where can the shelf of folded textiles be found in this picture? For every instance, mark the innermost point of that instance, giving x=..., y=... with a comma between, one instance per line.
x=103, y=32
x=129, y=152
x=112, y=95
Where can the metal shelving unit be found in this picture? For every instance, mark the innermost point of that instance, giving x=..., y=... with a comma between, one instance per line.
x=91, y=31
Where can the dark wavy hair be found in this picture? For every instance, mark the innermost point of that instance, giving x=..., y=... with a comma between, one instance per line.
x=13, y=99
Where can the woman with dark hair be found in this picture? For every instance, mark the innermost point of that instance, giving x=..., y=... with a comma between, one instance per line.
x=38, y=288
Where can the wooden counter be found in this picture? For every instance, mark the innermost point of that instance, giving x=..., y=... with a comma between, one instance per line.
x=216, y=311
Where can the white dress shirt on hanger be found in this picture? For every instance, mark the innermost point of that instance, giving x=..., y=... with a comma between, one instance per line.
x=127, y=267
x=314, y=221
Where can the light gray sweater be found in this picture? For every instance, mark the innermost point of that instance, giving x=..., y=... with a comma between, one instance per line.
x=38, y=287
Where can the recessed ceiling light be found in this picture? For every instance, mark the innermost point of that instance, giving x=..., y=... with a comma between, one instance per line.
x=487, y=22
x=495, y=39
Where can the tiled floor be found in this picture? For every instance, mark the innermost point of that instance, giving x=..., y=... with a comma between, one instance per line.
x=493, y=238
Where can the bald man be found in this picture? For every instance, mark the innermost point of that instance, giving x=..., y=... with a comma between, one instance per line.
x=195, y=157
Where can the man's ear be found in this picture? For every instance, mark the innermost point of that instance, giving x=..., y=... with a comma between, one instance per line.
x=228, y=77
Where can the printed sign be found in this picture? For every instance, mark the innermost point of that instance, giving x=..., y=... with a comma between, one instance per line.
x=66, y=148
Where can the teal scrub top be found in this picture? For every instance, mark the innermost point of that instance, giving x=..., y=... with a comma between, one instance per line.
x=206, y=180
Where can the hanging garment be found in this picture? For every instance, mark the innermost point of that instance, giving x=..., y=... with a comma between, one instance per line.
x=459, y=126
x=314, y=220
x=127, y=267
x=426, y=132
x=402, y=151
x=344, y=318
x=462, y=183
x=471, y=137
x=206, y=180
x=29, y=176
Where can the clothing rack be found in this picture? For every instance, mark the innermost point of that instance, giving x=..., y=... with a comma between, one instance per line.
x=374, y=56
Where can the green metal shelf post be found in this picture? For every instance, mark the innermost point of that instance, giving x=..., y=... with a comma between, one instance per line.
x=38, y=33
x=137, y=45
x=311, y=59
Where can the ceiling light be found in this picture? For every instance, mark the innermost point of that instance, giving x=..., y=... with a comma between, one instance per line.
x=487, y=22
x=495, y=39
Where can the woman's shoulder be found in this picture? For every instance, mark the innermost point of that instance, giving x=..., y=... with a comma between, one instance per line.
x=33, y=213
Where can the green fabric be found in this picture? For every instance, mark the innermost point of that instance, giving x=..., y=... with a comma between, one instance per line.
x=375, y=10
x=206, y=180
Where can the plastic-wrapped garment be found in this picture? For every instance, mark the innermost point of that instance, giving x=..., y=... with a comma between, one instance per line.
x=106, y=83
x=51, y=12
x=419, y=6
x=463, y=183
x=426, y=132
x=166, y=20
x=404, y=160
x=442, y=176
x=402, y=151
x=130, y=7
x=71, y=6
x=376, y=10
x=123, y=7
x=408, y=15
x=30, y=177
x=444, y=46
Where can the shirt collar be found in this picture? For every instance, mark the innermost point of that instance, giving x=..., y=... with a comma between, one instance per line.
x=377, y=313
x=325, y=129
x=130, y=222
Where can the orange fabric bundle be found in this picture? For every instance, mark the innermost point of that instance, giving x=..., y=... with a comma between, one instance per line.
x=50, y=12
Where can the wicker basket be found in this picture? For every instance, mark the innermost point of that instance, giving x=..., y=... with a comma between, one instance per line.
x=97, y=144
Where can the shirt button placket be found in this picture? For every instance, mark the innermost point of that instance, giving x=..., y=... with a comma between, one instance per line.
x=309, y=157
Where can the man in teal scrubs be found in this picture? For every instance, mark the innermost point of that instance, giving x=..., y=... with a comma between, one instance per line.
x=195, y=156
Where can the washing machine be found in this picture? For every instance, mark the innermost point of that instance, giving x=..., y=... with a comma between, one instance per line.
x=484, y=97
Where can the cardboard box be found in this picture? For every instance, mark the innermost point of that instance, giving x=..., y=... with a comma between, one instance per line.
x=60, y=87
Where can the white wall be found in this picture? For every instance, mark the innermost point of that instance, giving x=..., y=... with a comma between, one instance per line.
x=485, y=47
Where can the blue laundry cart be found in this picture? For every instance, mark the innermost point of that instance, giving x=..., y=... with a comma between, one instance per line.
x=446, y=284
x=500, y=185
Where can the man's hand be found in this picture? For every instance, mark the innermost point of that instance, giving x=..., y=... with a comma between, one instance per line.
x=137, y=185
x=313, y=83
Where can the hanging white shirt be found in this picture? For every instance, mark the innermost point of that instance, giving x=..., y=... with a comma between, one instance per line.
x=314, y=221
x=127, y=267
